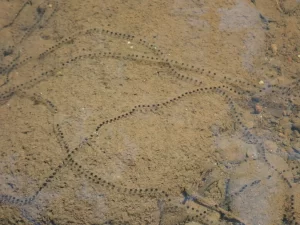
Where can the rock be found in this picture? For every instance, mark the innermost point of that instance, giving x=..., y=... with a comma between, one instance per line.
x=274, y=49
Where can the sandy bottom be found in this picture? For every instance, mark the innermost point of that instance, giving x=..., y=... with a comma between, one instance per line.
x=150, y=112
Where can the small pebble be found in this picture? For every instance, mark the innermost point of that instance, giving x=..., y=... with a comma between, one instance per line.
x=258, y=108
x=274, y=48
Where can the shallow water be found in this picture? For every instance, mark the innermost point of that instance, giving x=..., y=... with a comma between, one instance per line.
x=150, y=112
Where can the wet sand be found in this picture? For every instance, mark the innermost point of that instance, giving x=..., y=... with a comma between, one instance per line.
x=150, y=112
